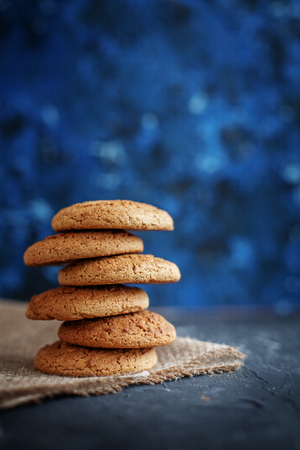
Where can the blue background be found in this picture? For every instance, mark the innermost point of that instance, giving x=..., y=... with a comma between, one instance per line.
x=192, y=106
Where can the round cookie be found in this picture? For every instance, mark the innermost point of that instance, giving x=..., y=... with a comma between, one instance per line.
x=135, y=330
x=75, y=303
x=119, y=269
x=69, y=360
x=123, y=214
x=73, y=245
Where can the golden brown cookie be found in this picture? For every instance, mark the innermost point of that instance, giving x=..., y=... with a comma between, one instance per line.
x=69, y=360
x=119, y=269
x=123, y=214
x=73, y=245
x=135, y=330
x=75, y=303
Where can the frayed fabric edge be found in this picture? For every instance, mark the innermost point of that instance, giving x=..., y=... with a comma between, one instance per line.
x=21, y=396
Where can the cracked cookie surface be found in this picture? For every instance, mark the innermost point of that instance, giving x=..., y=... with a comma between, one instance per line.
x=123, y=214
x=76, y=303
x=136, y=330
x=119, y=269
x=69, y=360
x=74, y=245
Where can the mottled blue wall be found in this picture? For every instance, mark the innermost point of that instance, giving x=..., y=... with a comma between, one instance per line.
x=192, y=106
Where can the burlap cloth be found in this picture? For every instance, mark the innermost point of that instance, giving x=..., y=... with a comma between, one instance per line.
x=21, y=383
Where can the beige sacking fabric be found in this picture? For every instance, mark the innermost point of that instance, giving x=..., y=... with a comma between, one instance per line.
x=21, y=383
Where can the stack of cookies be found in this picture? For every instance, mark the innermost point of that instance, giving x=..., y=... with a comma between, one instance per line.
x=107, y=328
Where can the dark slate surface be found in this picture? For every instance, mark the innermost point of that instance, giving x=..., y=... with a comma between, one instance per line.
x=256, y=407
x=191, y=105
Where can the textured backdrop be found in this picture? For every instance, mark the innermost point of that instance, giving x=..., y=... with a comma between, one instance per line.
x=190, y=105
